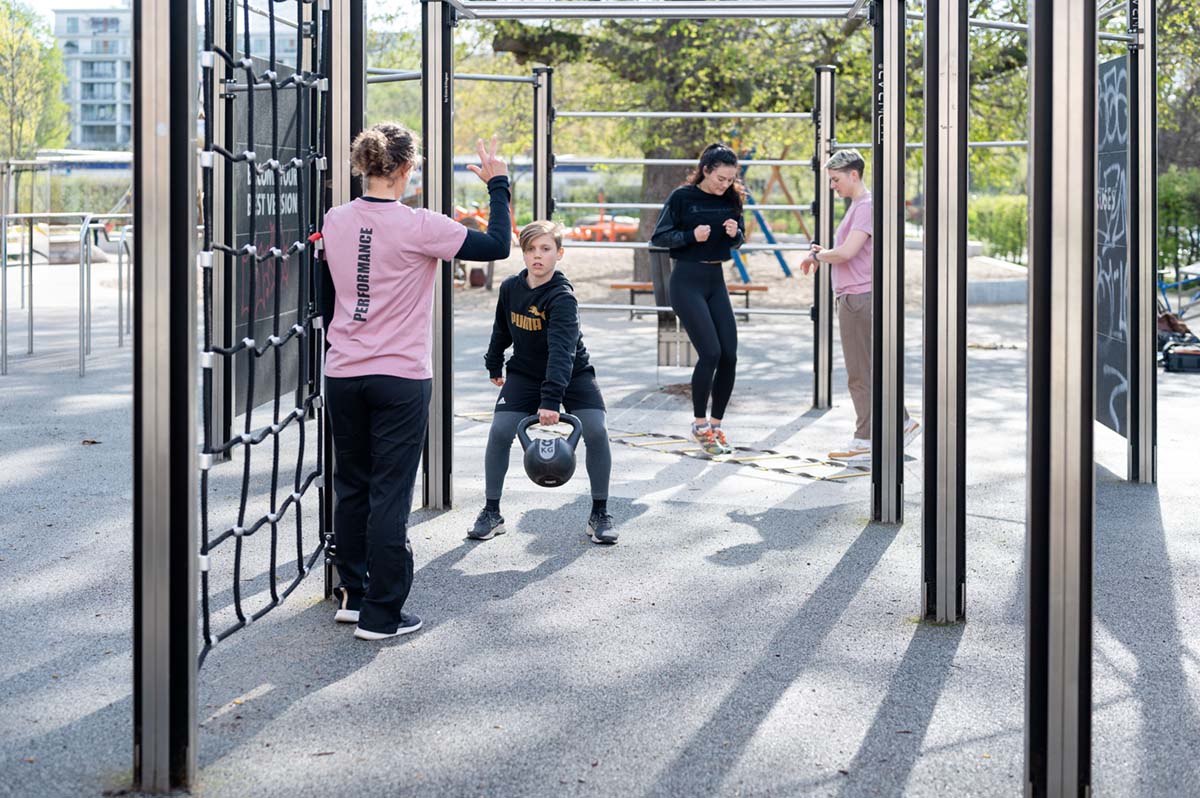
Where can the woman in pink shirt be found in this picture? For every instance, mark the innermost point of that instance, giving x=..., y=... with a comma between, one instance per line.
x=383, y=258
x=851, y=268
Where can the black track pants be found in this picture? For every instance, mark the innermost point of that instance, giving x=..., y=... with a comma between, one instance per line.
x=378, y=432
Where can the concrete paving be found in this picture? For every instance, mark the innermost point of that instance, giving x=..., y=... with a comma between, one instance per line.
x=752, y=634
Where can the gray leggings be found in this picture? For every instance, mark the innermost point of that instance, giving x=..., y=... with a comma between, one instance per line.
x=595, y=444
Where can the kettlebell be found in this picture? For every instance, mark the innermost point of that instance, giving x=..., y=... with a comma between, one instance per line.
x=549, y=462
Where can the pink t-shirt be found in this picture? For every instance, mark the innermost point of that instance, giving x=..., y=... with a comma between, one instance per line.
x=383, y=258
x=854, y=276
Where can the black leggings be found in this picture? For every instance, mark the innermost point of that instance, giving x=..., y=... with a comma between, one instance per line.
x=701, y=301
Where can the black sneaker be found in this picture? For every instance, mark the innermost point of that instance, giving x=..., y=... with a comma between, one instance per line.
x=488, y=524
x=408, y=625
x=348, y=606
x=600, y=528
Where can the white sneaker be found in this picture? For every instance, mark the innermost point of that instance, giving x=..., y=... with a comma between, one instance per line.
x=344, y=614
x=911, y=430
x=857, y=447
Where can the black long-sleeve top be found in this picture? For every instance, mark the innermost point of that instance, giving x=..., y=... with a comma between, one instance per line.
x=542, y=327
x=494, y=244
x=687, y=208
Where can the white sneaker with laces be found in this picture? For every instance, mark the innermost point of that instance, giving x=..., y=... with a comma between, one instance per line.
x=857, y=447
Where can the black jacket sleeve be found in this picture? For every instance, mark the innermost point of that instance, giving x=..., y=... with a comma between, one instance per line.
x=740, y=238
x=496, y=242
x=501, y=337
x=667, y=232
x=562, y=339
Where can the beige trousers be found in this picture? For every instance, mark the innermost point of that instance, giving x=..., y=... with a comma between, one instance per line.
x=854, y=324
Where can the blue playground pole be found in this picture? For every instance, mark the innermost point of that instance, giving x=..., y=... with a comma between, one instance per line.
x=762, y=222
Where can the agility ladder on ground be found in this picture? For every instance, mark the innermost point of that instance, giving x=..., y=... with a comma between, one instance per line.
x=762, y=459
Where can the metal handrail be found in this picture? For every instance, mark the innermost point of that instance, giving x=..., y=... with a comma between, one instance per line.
x=86, y=222
x=85, y=280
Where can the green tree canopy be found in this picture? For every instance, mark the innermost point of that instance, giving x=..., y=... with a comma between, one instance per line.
x=32, y=113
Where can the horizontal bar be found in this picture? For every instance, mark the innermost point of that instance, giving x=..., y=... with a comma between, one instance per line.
x=646, y=245
x=975, y=22
x=661, y=309
x=654, y=206
x=916, y=145
x=396, y=77
x=67, y=215
x=1117, y=37
x=681, y=115
x=393, y=75
x=633, y=9
x=997, y=144
x=570, y=160
x=266, y=15
x=1120, y=5
x=493, y=78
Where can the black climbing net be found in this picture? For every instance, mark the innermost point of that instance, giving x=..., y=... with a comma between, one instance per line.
x=264, y=127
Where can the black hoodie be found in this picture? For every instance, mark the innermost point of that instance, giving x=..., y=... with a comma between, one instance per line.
x=542, y=326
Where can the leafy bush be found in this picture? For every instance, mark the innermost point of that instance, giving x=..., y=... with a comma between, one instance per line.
x=89, y=194
x=1179, y=217
x=1001, y=222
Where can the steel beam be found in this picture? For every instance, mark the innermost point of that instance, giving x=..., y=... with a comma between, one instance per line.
x=887, y=360
x=824, y=114
x=1143, y=246
x=639, y=9
x=543, y=142
x=164, y=396
x=1060, y=471
x=437, y=91
x=681, y=115
x=943, y=522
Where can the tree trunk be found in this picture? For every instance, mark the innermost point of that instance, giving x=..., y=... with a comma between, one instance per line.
x=657, y=183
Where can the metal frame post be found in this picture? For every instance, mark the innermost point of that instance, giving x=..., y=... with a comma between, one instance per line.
x=943, y=537
x=543, y=142
x=824, y=114
x=5, y=170
x=887, y=360
x=1061, y=500
x=341, y=86
x=437, y=90
x=164, y=396
x=222, y=220
x=1143, y=246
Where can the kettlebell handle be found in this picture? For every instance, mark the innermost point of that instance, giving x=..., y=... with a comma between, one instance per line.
x=576, y=429
x=573, y=439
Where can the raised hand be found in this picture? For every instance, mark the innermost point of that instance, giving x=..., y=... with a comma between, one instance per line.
x=490, y=163
x=702, y=232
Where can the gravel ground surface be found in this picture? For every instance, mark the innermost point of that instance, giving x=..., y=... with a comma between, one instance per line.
x=752, y=634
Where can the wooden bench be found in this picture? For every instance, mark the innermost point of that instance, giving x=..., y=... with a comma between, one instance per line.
x=637, y=289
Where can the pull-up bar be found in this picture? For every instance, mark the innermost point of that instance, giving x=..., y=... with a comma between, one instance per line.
x=398, y=75
x=576, y=161
x=681, y=115
x=654, y=206
x=632, y=9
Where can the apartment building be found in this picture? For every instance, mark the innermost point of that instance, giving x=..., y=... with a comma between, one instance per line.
x=96, y=50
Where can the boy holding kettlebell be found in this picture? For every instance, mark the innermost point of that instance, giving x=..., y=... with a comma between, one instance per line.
x=538, y=316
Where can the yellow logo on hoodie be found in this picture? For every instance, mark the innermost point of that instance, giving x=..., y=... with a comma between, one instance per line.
x=532, y=322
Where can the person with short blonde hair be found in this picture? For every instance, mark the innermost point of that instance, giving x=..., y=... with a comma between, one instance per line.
x=851, y=269
x=537, y=315
x=383, y=258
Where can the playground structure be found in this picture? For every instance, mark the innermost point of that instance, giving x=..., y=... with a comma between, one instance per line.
x=330, y=91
